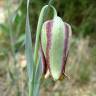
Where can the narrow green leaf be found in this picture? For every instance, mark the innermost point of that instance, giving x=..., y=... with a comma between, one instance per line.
x=38, y=71
x=38, y=74
x=28, y=46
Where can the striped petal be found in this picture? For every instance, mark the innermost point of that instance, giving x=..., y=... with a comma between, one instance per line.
x=55, y=38
x=46, y=42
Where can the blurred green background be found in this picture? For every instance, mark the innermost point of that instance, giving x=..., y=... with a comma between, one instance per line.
x=81, y=65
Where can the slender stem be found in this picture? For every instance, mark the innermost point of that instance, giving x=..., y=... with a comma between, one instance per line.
x=50, y=2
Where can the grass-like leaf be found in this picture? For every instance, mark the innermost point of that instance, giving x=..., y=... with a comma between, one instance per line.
x=28, y=46
x=38, y=74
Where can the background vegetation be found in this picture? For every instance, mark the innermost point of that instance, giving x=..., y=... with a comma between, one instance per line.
x=81, y=67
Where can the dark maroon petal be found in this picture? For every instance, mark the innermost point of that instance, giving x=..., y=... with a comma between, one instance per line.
x=48, y=33
x=45, y=66
x=65, y=51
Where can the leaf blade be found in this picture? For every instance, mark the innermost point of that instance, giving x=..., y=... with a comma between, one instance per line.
x=28, y=47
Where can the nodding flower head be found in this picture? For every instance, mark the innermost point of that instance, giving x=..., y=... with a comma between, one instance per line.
x=55, y=41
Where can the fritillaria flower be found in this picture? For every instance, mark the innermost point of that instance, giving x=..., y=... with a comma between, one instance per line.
x=55, y=41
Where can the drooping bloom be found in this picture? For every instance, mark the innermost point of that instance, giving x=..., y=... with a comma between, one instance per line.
x=55, y=41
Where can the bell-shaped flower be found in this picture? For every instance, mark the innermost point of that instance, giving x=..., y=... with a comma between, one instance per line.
x=55, y=41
